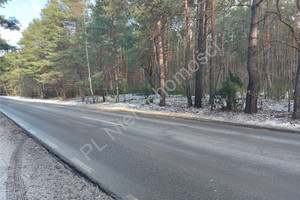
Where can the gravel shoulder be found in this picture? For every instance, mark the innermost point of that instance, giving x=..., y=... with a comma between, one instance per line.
x=28, y=171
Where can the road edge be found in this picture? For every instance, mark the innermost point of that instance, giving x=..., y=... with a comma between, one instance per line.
x=195, y=119
x=181, y=116
x=61, y=158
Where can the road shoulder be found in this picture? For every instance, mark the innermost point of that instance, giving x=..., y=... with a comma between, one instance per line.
x=28, y=171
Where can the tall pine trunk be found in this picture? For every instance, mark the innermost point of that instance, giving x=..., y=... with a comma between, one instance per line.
x=253, y=85
x=267, y=56
x=200, y=52
x=294, y=32
x=296, y=113
x=161, y=62
x=187, y=57
x=116, y=68
x=87, y=53
x=212, y=66
x=223, y=59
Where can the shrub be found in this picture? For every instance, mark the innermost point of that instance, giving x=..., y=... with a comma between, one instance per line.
x=232, y=85
x=278, y=89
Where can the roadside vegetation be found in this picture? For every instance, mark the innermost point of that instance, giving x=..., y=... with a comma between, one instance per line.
x=198, y=49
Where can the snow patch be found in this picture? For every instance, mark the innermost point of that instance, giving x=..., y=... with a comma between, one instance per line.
x=271, y=113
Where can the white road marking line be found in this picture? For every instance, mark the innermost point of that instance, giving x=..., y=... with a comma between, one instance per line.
x=130, y=197
x=51, y=144
x=81, y=164
x=99, y=120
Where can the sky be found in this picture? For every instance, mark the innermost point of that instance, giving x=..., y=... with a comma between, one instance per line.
x=24, y=11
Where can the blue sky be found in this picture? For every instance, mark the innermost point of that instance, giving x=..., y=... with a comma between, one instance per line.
x=25, y=11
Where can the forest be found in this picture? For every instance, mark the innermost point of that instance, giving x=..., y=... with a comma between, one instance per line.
x=164, y=47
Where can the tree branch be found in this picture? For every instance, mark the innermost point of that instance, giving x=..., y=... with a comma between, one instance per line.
x=163, y=10
x=268, y=14
x=290, y=45
x=285, y=23
x=258, y=3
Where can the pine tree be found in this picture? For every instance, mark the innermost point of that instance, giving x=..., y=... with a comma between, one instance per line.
x=11, y=24
x=253, y=85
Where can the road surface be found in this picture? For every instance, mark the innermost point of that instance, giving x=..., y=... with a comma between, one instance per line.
x=147, y=157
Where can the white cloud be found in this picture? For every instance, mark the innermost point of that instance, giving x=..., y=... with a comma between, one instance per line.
x=37, y=8
x=12, y=37
x=25, y=12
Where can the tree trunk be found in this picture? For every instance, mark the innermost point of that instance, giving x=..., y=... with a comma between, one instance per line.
x=224, y=67
x=268, y=46
x=81, y=93
x=103, y=97
x=187, y=58
x=116, y=68
x=42, y=93
x=5, y=89
x=253, y=85
x=123, y=66
x=200, y=52
x=87, y=53
x=296, y=113
x=212, y=67
x=156, y=65
x=145, y=79
x=161, y=63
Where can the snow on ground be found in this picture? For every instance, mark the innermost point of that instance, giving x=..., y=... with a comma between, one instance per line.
x=271, y=113
x=8, y=140
x=28, y=171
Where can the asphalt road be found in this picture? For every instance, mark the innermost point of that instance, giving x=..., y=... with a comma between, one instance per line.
x=148, y=157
